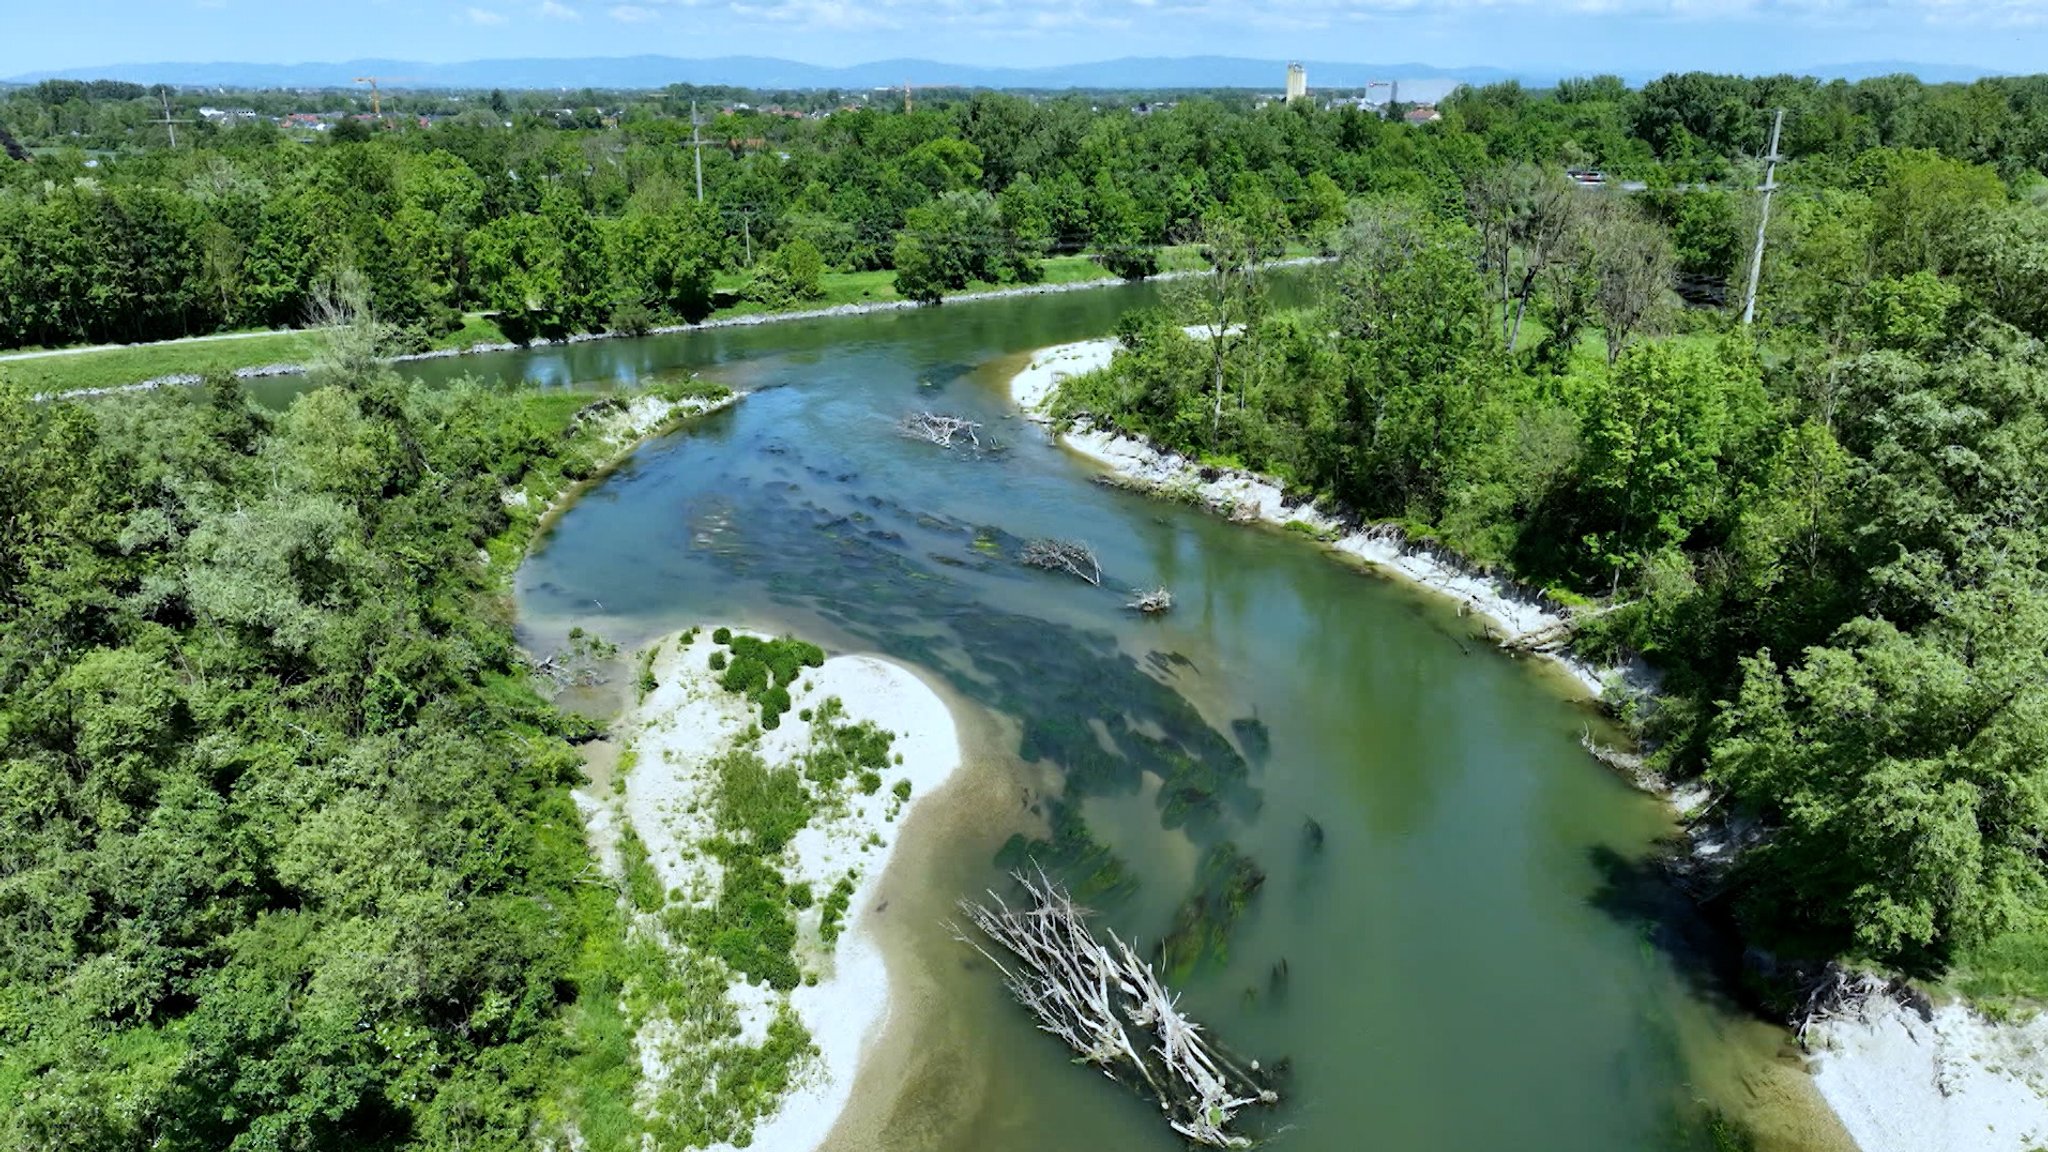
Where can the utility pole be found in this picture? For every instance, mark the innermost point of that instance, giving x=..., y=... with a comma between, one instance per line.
x=168, y=123
x=697, y=145
x=906, y=97
x=1756, y=260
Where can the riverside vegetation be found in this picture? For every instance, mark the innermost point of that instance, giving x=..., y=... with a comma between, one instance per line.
x=1825, y=529
x=287, y=853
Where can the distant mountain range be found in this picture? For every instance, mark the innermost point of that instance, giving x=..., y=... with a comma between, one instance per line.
x=1418, y=81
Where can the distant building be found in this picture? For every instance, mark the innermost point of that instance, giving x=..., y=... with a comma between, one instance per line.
x=1297, y=83
x=1422, y=114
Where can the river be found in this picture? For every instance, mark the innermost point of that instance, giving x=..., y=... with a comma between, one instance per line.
x=1461, y=943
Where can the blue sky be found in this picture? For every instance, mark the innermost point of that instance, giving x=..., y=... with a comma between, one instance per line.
x=1577, y=35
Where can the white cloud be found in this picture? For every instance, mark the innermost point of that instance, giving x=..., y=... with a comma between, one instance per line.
x=633, y=14
x=552, y=10
x=834, y=15
x=484, y=16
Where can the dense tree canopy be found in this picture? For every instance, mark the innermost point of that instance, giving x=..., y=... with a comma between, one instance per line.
x=287, y=856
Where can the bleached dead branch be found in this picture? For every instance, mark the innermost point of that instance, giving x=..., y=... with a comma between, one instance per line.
x=1096, y=996
x=945, y=431
x=1842, y=994
x=1069, y=556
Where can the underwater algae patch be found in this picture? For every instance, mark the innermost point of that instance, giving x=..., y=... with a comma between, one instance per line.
x=1225, y=883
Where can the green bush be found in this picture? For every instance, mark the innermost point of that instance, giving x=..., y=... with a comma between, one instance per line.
x=902, y=790
x=790, y=275
x=745, y=676
x=722, y=636
x=643, y=884
x=749, y=926
x=832, y=918
x=757, y=805
x=763, y=670
x=630, y=318
x=646, y=683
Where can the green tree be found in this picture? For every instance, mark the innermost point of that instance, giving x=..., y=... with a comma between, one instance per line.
x=1411, y=315
x=1925, y=208
x=1653, y=436
x=667, y=257
x=950, y=242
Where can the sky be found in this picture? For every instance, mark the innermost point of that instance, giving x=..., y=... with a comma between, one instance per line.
x=1576, y=36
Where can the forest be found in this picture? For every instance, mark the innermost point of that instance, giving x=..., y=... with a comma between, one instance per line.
x=584, y=217
x=287, y=854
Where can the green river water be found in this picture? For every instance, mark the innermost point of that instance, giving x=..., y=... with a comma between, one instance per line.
x=1479, y=956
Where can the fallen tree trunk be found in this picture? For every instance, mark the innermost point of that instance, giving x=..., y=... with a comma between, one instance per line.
x=1069, y=556
x=1099, y=997
x=1554, y=637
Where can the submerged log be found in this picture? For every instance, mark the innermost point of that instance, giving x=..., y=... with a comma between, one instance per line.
x=1111, y=1008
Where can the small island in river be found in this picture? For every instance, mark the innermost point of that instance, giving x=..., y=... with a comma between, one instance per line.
x=759, y=792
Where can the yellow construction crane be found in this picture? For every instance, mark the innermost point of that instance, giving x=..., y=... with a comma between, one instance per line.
x=376, y=99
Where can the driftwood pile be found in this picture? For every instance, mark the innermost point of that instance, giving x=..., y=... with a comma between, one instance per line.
x=1069, y=556
x=1840, y=994
x=1111, y=1009
x=945, y=431
x=1153, y=602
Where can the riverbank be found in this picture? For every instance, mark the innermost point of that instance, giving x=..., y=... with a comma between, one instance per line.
x=270, y=370
x=1907, y=1079
x=1515, y=616
x=1951, y=1082
x=606, y=432
x=863, y=743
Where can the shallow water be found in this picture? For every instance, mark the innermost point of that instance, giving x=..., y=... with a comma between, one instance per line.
x=1479, y=956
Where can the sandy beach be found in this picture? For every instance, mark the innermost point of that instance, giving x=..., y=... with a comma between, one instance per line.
x=688, y=720
x=1951, y=1082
